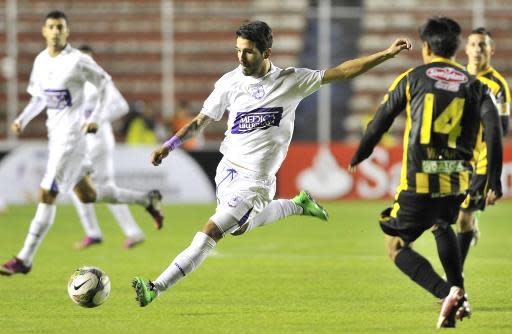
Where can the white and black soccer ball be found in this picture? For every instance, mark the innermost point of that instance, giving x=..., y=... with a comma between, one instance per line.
x=89, y=286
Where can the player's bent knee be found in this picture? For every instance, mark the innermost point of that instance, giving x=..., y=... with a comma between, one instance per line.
x=86, y=196
x=212, y=231
x=47, y=196
x=465, y=221
x=393, y=246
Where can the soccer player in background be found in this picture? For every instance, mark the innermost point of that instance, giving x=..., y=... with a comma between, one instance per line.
x=480, y=48
x=100, y=151
x=57, y=82
x=261, y=100
x=444, y=108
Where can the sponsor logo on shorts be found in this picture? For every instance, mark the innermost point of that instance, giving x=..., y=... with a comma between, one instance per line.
x=261, y=118
x=58, y=98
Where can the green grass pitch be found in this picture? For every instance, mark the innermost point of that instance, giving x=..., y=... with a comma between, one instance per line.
x=299, y=275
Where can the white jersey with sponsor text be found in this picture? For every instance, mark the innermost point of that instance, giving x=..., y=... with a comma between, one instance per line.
x=261, y=114
x=59, y=81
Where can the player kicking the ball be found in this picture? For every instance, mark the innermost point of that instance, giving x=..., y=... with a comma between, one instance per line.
x=57, y=85
x=261, y=100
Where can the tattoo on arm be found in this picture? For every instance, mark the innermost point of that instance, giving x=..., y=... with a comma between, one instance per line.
x=194, y=127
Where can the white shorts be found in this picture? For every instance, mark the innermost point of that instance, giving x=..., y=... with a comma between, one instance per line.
x=241, y=194
x=67, y=164
x=100, y=151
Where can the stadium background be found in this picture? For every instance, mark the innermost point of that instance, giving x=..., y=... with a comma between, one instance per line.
x=165, y=56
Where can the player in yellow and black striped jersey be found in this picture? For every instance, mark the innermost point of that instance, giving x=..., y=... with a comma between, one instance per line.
x=444, y=108
x=480, y=48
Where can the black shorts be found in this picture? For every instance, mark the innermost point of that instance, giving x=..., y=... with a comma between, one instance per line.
x=476, y=197
x=412, y=214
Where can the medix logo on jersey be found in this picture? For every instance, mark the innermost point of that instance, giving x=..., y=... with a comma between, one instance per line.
x=58, y=98
x=261, y=118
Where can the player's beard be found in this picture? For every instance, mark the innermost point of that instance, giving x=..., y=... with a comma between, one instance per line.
x=247, y=70
x=251, y=69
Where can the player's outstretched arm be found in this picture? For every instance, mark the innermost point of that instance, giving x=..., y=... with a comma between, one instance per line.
x=33, y=108
x=190, y=130
x=353, y=68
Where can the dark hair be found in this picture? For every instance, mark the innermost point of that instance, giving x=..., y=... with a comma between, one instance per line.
x=442, y=35
x=258, y=32
x=86, y=48
x=481, y=31
x=56, y=14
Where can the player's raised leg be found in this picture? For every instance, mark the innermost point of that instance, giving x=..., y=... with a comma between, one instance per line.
x=302, y=204
x=110, y=193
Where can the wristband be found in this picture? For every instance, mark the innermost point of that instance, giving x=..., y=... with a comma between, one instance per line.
x=172, y=143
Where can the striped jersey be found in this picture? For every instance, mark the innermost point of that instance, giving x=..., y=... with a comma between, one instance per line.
x=442, y=102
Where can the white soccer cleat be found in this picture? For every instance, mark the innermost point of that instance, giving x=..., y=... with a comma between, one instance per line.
x=455, y=307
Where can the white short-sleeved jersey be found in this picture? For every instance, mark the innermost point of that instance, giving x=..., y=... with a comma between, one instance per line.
x=261, y=114
x=59, y=81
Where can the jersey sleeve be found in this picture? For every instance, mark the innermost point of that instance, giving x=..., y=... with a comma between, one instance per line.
x=499, y=93
x=392, y=105
x=92, y=72
x=215, y=105
x=115, y=103
x=34, y=87
x=308, y=81
x=503, y=96
x=491, y=122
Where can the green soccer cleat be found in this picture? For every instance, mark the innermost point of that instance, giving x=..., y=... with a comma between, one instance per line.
x=310, y=206
x=145, y=291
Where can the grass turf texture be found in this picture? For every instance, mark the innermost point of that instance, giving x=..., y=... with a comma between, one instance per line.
x=296, y=276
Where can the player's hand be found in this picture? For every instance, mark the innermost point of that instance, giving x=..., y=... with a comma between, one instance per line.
x=90, y=127
x=352, y=169
x=491, y=197
x=159, y=154
x=16, y=128
x=399, y=45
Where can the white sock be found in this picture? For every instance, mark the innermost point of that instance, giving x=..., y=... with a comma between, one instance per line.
x=186, y=262
x=275, y=210
x=111, y=193
x=125, y=220
x=87, y=217
x=43, y=220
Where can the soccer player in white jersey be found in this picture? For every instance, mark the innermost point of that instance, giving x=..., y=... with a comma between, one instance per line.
x=100, y=150
x=261, y=100
x=57, y=84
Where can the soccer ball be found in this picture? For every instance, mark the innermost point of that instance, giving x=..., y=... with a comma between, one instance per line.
x=89, y=286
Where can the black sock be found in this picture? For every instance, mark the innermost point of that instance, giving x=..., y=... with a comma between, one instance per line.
x=448, y=250
x=420, y=271
x=464, y=239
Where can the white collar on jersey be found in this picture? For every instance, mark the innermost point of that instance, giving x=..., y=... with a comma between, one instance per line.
x=67, y=49
x=252, y=80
